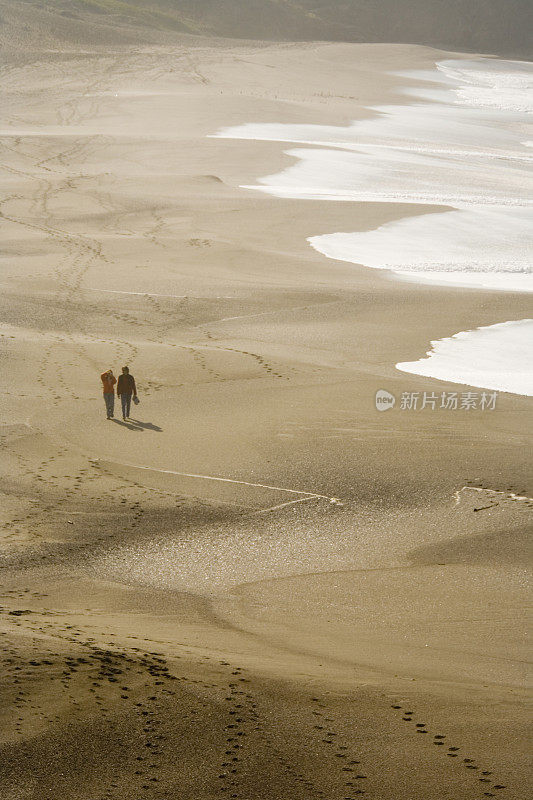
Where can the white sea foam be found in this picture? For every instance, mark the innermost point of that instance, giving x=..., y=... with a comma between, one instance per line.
x=491, y=83
x=462, y=144
x=398, y=175
x=483, y=246
x=491, y=357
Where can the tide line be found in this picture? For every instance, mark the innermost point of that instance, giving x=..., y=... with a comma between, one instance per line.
x=137, y=294
x=510, y=495
x=284, y=505
x=155, y=294
x=306, y=495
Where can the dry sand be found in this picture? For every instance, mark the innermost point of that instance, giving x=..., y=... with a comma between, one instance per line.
x=343, y=614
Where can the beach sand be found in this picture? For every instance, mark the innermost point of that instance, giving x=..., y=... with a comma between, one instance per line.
x=342, y=614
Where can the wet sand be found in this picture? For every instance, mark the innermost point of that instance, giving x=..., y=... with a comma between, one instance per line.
x=259, y=586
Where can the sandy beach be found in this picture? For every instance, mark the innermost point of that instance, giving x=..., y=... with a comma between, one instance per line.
x=260, y=586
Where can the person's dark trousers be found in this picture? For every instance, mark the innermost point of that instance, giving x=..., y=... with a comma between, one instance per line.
x=126, y=404
x=109, y=398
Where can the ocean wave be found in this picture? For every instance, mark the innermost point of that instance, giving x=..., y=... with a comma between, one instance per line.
x=465, y=149
x=491, y=357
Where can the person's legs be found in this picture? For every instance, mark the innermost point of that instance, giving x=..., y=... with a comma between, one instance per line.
x=109, y=398
x=128, y=404
x=125, y=405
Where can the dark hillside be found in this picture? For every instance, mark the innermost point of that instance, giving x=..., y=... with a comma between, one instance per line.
x=495, y=26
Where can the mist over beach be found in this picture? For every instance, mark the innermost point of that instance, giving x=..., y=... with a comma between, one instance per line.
x=267, y=386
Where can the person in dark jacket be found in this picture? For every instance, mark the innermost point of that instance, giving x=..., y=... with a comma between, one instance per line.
x=125, y=389
x=108, y=383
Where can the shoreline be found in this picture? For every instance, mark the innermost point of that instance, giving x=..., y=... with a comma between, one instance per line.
x=349, y=166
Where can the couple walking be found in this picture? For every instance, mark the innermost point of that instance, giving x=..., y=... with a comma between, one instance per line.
x=125, y=389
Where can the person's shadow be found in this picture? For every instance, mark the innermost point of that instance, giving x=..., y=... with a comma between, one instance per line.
x=137, y=425
x=146, y=425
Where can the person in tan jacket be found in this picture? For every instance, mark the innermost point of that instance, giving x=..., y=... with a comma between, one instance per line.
x=108, y=383
x=125, y=389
